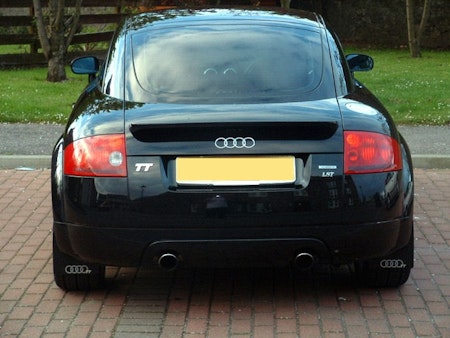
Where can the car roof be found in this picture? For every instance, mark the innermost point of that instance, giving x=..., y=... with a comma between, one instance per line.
x=222, y=15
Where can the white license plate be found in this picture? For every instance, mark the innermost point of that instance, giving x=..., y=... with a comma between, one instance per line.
x=248, y=170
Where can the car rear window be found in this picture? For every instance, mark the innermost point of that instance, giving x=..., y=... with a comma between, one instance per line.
x=225, y=64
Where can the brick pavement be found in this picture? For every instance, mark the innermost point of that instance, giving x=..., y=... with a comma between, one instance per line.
x=217, y=302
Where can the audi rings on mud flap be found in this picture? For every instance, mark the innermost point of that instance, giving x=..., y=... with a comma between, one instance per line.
x=77, y=270
x=392, y=264
x=234, y=142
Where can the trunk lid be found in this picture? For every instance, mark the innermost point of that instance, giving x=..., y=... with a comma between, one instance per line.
x=294, y=128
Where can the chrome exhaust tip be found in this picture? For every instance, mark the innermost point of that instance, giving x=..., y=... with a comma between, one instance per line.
x=168, y=261
x=304, y=261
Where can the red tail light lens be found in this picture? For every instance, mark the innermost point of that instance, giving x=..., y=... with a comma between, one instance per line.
x=366, y=152
x=103, y=156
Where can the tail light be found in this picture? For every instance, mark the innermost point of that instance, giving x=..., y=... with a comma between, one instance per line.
x=367, y=152
x=102, y=155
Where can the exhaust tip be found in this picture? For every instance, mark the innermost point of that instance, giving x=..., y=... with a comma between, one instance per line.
x=168, y=261
x=304, y=261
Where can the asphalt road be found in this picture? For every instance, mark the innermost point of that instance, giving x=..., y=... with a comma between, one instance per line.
x=38, y=139
x=28, y=139
x=29, y=145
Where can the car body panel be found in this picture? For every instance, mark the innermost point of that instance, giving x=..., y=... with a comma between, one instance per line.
x=132, y=220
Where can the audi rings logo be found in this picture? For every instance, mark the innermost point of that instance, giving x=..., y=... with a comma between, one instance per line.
x=234, y=142
x=77, y=270
x=392, y=264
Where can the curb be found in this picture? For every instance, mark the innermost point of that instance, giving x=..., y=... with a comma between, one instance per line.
x=431, y=161
x=25, y=162
x=32, y=162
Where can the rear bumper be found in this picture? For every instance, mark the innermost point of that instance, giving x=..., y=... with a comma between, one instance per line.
x=338, y=244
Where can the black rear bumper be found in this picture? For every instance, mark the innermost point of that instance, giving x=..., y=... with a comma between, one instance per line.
x=338, y=244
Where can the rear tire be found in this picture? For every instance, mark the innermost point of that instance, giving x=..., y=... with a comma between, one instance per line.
x=389, y=271
x=72, y=274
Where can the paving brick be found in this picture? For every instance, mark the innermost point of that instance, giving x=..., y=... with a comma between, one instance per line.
x=222, y=319
x=196, y=325
x=21, y=312
x=264, y=319
x=378, y=326
x=198, y=311
x=263, y=332
x=359, y=331
x=286, y=325
x=33, y=331
x=442, y=321
x=399, y=320
x=425, y=329
x=77, y=331
x=310, y=331
x=403, y=332
x=12, y=327
x=110, y=311
x=40, y=319
x=217, y=331
x=217, y=302
x=395, y=306
x=170, y=331
x=355, y=318
x=103, y=325
x=240, y=326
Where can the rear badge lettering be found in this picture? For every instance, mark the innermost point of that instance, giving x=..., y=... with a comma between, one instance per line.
x=329, y=168
x=143, y=166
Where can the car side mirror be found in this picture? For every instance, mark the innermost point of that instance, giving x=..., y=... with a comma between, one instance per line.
x=85, y=65
x=359, y=62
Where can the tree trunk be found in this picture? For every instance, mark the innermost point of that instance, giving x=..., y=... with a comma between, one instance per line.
x=42, y=31
x=57, y=58
x=56, y=71
x=412, y=38
x=285, y=4
x=414, y=35
x=424, y=19
x=55, y=38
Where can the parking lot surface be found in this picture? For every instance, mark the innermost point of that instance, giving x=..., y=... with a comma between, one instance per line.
x=217, y=302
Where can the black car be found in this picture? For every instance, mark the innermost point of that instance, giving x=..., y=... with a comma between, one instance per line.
x=229, y=137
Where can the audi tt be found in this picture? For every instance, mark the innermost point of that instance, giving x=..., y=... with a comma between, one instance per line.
x=229, y=137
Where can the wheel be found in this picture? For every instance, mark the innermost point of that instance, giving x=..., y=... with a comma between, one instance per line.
x=73, y=275
x=389, y=271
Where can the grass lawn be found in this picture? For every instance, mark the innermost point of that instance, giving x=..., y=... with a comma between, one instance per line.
x=25, y=96
x=415, y=91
